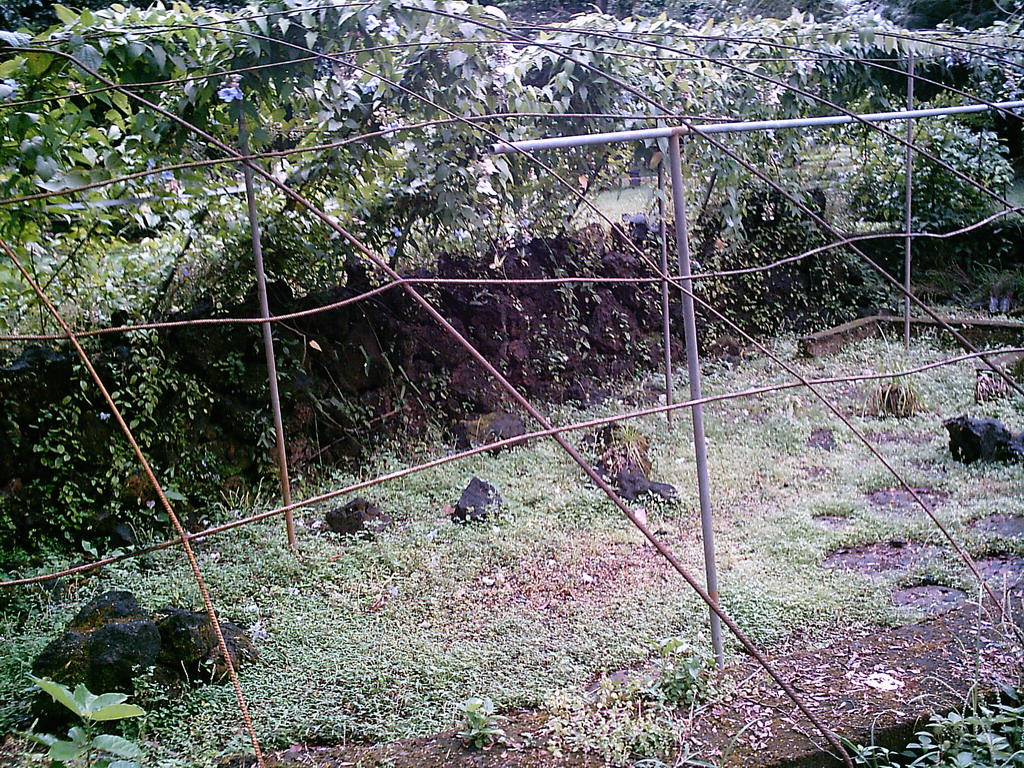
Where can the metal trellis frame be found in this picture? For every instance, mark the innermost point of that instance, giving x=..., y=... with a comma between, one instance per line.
x=673, y=134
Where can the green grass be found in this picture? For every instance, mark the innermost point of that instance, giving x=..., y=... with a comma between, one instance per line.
x=617, y=202
x=380, y=639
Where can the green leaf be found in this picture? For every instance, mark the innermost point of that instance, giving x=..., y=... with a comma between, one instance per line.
x=15, y=39
x=89, y=57
x=84, y=698
x=457, y=58
x=115, y=745
x=46, y=739
x=118, y=712
x=38, y=63
x=108, y=699
x=60, y=693
x=66, y=751
x=65, y=14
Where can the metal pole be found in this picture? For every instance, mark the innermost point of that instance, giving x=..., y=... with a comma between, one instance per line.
x=697, y=411
x=561, y=142
x=268, y=336
x=666, y=323
x=909, y=201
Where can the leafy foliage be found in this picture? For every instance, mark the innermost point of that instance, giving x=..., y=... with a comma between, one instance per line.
x=85, y=747
x=88, y=485
x=942, y=201
x=359, y=83
x=990, y=736
x=683, y=672
x=480, y=723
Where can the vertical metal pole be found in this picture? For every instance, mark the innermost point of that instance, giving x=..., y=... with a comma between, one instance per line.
x=666, y=324
x=909, y=202
x=697, y=410
x=268, y=336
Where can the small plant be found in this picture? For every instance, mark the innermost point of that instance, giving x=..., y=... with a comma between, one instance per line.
x=989, y=736
x=626, y=447
x=682, y=676
x=896, y=398
x=481, y=727
x=83, y=746
x=621, y=721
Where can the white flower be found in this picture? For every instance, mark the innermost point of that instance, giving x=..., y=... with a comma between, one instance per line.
x=372, y=23
x=258, y=631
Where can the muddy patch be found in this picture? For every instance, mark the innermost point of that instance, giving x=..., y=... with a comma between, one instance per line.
x=823, y=439
x=1009, y=526
x=833, y=522
x=1002, y=570
x=882, y=557
x=931, y=599
x=911, y=438
x=899, y=501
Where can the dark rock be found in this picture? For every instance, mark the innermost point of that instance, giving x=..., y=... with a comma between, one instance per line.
x=357, y=517
x=822, y=438
x=489, y=428
x=113, y=640
x=638, y=227
x=33, y=357
x=613, y=327
x=109, y=643
x=476, y=503
x=189, y=647
x=633, y=484
x=972, y=439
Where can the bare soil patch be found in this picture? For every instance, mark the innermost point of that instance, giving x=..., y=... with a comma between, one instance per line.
x=1003, y=570
x=822, y=438
x=881, y=558
x=899, y=501
x=1009, y=526
x=929, y=598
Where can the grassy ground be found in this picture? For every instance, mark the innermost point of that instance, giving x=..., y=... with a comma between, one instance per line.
x=380, y=639
x=617, y=202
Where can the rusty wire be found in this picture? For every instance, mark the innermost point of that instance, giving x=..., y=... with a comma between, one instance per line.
x=512, y=391
x=510, y=282
x=522, y=401
x=495, y=445
x=342, y=57
x=161, y=495
x=826, y=401
x=721, y=146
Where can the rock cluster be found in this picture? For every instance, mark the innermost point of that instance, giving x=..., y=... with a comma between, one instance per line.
x=113, y=640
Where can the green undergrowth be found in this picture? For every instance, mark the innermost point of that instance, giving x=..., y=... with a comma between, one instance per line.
x=381, y=639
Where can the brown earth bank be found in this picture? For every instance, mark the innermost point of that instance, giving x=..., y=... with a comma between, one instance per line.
x=350, y=376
